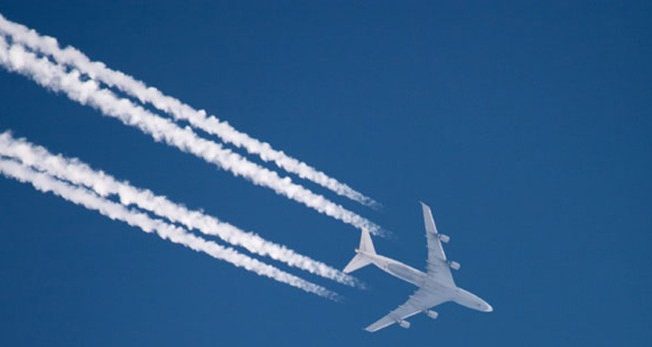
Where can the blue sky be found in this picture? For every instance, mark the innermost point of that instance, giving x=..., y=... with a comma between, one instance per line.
x=525, y=126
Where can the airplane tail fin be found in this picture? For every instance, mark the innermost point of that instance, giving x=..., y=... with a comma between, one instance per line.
x=361, y=260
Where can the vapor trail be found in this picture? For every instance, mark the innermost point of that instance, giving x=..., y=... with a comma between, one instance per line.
x=115, y=211
x=180, y=111
x=54, y=77
x=78, y=173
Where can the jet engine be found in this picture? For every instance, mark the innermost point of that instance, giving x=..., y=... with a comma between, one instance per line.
x=444, y=238
x=431, y=314
x=454, y=265
x=403, y=323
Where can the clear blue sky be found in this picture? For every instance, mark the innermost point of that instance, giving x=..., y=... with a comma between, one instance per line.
x=526, y=126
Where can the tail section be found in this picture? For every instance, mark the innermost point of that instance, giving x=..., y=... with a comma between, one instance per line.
x=361, y=260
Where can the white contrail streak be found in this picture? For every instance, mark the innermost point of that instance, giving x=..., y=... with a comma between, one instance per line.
x=54, y=77
x=180, y=111
x=78, y=173
x=85, y=198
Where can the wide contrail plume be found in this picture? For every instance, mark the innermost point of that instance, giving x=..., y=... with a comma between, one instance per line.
x=197, y=118
x=78, y=173
x=83, y=197
x=55, y=77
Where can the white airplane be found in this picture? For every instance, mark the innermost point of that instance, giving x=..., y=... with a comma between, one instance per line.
x=436, y=286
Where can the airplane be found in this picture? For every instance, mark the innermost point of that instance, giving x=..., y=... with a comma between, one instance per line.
x=436, y=286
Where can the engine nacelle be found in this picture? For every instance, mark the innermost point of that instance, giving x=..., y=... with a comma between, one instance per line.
x=431, y=314
x=403, y=324
x=454, y=265
x=444, y=238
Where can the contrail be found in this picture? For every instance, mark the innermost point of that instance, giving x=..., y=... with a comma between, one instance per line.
x=174, y=107
x=78, y=173
x=54, y=77
x=166, y=231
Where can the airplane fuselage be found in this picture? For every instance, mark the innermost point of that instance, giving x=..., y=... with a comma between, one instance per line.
x=396, y=268
x=420, y=279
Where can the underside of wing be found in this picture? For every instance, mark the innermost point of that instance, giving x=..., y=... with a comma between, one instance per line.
x=438, y=268
x=420, y=301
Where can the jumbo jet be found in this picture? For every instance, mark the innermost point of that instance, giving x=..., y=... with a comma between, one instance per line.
x=436, y=285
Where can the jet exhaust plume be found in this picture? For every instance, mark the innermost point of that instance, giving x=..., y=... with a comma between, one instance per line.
x=83, y=197
x=178, y=110
x=104, y=185
x=55, y=77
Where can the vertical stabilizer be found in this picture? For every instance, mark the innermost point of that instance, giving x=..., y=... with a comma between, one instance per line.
x=361, y=260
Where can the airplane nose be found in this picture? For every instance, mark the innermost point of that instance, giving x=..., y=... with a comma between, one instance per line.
x=488, y=308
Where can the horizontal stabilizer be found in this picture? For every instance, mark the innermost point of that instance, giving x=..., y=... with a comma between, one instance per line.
x=366, y=245
x=357, y=262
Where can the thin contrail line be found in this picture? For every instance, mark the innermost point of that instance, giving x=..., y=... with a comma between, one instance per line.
x=103, y=184
x=55, y=77
x=91, y=201
x=174, y=107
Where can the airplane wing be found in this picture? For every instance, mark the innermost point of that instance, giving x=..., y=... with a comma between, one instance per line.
x=438, y=269
x=422, y=300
